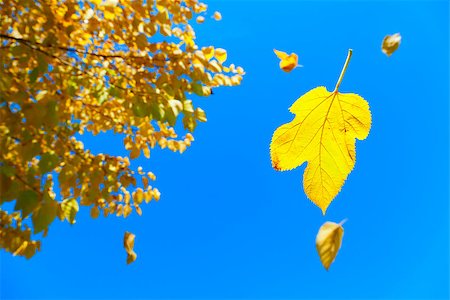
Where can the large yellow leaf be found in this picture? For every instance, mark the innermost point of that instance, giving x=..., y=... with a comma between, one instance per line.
x=328, y=242
x=323, y=134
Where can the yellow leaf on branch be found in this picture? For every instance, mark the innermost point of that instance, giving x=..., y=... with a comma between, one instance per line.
x=288, y=61
x=323, y=134
x=221, y=55
x=328, y=242
x=69, y=209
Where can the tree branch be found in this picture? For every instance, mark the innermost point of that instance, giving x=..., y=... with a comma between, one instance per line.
x=24, y=41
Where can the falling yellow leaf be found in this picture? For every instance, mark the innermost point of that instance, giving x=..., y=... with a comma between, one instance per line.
x=390, y=43
x=328, y=242
x=323, y=134
x=200, y=19
x=128, y=244
x=217, y=16
x=151, y=176
x=288, y=61
x=138, y=210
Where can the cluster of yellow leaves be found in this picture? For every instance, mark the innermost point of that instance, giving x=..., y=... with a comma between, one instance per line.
x=95, y=66
x=15, y=240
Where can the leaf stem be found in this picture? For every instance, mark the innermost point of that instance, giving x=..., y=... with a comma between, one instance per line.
x=343, y=221
x=349, y=55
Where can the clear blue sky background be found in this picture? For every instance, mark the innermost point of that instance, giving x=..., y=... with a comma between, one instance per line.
x=229, y=226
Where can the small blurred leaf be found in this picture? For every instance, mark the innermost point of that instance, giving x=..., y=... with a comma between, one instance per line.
x=128, y=244
x=140, y=109
x=187, y=106
x=189, y=123
x=157, y=111
x=30, y=150
x=391, y=43
x=42, y=63
x=7, y=170
x=197, y=89
x=115, y=92
x=27, y=201
x=221, y=55
x=95, y=212
x=103, y=96
x=141, y=41
x=51, y=115
x=200, y=19
x=45, y=214
x=146, y=151
x=70, y=208
x=217, y=16
x=34, y=75
x=138, y=210
x=127, y=210
x=135, y=152
x=328, y=242
x=168, y=89
x=288, y=62
x=48, y=162
x=200, y=114
x=175, y=107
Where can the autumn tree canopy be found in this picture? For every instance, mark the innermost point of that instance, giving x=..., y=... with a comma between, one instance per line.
x=68, y=67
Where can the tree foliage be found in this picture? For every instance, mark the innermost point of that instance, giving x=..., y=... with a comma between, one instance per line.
x=70, y=67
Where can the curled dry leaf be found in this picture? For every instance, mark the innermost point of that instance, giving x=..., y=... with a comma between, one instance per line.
x=128, y=244
x=323, y=134
x=328, y=242
x=288, y=62
x=390, y=43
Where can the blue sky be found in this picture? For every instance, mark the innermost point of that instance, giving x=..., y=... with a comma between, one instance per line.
x=229, y=226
